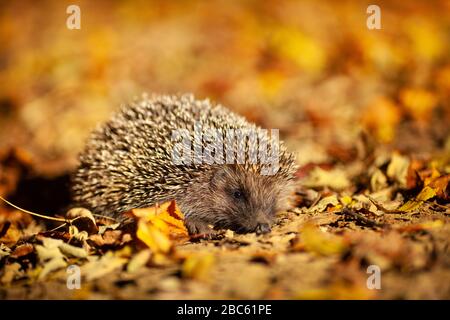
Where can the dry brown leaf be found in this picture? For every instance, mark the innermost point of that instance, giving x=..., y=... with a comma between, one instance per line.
x=324, y=203
x=441, y=186
x=264, y=257
x=22, y=250
x=83, y=219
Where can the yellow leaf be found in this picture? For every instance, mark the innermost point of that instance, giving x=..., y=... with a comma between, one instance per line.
x=161, y=225
x=381, y=117
x=319, y=242
x=139, y=260
x=335, y=179
x=197, y=266
x=436, y=224
x=428, y=42
x=424, y=195
x=434, y=175
x=346, y=200
x=153, y=237
x=300, y=48
x=419, y=103
x=427, y=225
x=161, y=260
x=338, y=291
x=271, y=82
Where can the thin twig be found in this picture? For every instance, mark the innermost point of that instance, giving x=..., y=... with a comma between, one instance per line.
x=380, y=207
x=60, y=226
x=36, y=214
x=362, y=218
x=440, y=206
x=104, y=217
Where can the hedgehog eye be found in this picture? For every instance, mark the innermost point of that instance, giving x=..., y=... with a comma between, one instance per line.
x=237, y=194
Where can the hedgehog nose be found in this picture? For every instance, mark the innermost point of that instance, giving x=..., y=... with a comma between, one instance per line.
x=262, y=228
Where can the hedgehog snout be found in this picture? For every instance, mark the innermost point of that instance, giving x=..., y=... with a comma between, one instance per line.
x=262, y=228
x=262, y=223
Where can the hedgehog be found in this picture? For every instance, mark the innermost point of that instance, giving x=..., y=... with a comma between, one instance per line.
x=134, y=161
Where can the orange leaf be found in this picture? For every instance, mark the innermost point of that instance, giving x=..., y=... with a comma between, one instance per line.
x=160, y=226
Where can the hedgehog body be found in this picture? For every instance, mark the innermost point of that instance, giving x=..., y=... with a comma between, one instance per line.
x=128, y=163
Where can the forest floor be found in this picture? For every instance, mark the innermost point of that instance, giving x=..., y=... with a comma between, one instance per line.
x=327, y=248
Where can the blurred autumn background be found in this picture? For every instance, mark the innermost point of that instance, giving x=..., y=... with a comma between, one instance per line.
x=345, y=98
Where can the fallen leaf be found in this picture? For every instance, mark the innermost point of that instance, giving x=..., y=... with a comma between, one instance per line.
x=335, y=179
x=429, y=225
x=338, y=291
x=324, y=203
x=52, y=265
x=267, y=258
x=83, y=219
x=49, y=250
x=378, y=181
x=197, y=266
x=153, y=237
x=112, y=237
x=4, y=251
x=161, y=226
x=398, y=169
x=12, y=234
x=159, y=259
x=290, y=41
x=103, y=229
x=381, y=117
x=50, y=256
x=70, y=250
x=139, y=260
x=11, y=272
x=167, y=217
x=441, y=186
x=314, y=240
x=419, y=103
x=22, y=250
x=414, y=204
x=98, y=267
x=389, y=250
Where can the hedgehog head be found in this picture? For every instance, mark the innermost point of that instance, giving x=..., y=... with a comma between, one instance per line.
x=237, y=198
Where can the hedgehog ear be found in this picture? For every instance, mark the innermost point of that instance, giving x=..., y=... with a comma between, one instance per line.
x=219, y=175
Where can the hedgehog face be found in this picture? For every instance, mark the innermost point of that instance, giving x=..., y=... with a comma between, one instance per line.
x=244, y=201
